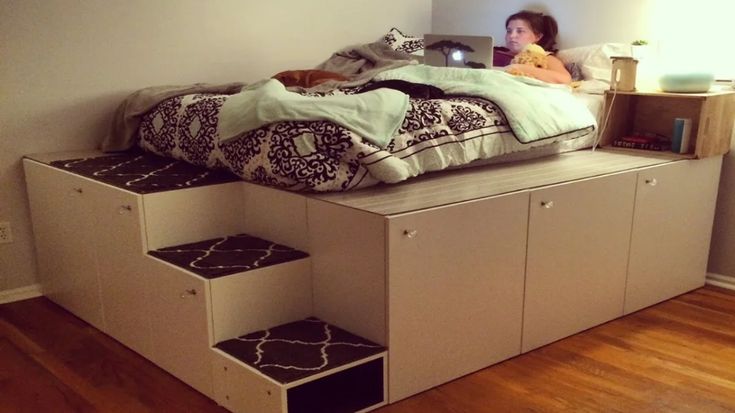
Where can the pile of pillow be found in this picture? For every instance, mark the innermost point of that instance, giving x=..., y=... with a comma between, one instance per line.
x=592, y=62
x=404, y=43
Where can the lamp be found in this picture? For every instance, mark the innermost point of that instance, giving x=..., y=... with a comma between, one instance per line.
x=623, y=73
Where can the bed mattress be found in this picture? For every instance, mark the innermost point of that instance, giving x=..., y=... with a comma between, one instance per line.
x=322, y=156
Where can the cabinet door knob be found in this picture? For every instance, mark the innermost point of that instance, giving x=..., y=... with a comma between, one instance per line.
x=410, y=233
x=124, y=209
x=77, y=190
x=651, y=182
x=188, y=293
x=547, y=204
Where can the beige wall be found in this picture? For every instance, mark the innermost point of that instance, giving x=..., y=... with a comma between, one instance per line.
x=722, y=256
x=64, y=66
x=674, y=28
x=581, y=22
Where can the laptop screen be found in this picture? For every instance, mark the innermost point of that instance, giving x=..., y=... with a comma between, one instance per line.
x=458, y=51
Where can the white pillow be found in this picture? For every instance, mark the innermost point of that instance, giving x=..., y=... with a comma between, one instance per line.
x=403, y=42
x=595, y=59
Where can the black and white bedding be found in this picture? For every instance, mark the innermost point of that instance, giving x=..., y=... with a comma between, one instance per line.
x=476, y=121
x=323, y=156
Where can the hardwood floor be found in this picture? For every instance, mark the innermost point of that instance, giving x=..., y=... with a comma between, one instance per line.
x=678, y=356
x=51, y=361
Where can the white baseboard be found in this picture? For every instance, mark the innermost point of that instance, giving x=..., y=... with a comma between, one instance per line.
x=719, y=280
x=22, y=293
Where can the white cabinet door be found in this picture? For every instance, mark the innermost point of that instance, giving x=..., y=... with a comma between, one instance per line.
x=455, y=287
x=180, y=331
x=578, y=241
x=674, y=211
x=121, y=270
x=64, y=225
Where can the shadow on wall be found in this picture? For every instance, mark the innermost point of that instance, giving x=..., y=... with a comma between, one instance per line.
x=92, y=116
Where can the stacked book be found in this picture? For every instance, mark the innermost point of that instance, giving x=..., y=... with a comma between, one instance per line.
x=682, y=135
x=643, y=140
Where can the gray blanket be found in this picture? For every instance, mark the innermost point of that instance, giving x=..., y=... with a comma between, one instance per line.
x=359, y=63
x=126, y=120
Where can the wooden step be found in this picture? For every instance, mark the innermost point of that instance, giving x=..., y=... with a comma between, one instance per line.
x=208, y=203
x=302, y=366
x=228, y=255
x=251, y=283
x=143, y=172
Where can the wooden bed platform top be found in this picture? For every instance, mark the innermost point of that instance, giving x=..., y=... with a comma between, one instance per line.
x=449, y=187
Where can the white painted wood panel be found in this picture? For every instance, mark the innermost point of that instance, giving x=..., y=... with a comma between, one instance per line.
x=455, y=291
x=121, y=267
x=65, y=227
x=240, y=389
x=260, y=299
x=276, y=215
x=193, y=214
x=448, y=187
x=179, y=317
x=578, y=240
x=348, y=268
x=671, y=230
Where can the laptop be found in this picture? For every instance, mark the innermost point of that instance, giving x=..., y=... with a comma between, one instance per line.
x=445, y=50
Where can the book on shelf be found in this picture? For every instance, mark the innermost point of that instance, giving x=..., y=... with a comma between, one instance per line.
x=647, y=141
x=681, y=136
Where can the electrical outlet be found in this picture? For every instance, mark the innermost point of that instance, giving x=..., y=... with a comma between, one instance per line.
x=6, y=233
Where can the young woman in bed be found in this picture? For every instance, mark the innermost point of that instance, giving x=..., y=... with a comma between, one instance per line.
x=527, y=27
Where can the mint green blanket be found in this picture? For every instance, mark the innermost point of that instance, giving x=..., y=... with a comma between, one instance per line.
x=534, y=109
x=374, y=115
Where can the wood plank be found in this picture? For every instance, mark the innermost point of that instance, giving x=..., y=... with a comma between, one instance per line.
x=711, y=298
x=105, y=375
x=26, y=386
x=438, y=189
x=715, y=126
x=677, y=356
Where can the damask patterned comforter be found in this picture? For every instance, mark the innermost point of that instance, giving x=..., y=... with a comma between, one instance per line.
x=322, y=156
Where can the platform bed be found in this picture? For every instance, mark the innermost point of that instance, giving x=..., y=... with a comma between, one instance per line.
x=433, y=278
